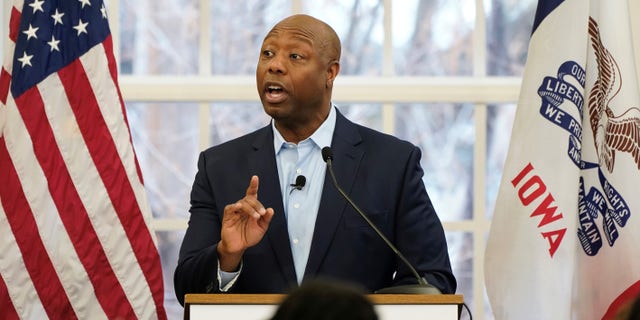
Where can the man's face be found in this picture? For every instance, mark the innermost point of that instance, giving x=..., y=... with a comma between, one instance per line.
x=292, y=76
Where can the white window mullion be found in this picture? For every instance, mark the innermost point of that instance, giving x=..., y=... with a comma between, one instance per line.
x=204, y=69
x=479, y=164
x=388, y=109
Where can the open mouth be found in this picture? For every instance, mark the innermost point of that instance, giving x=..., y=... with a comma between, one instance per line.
x=275, y=93
x=274, y=89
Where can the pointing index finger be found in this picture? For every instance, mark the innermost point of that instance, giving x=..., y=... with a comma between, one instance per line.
x=251, y=198
x=252, y=190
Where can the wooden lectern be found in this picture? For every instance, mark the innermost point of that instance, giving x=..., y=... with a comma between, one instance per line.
x=263, y=306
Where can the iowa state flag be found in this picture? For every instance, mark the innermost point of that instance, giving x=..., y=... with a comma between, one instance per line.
x=565, y=236
x=75, y=240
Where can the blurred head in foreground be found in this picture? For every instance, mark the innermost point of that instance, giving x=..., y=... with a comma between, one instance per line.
x=325, y=300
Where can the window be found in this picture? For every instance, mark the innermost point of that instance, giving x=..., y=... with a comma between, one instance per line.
x=441, y=74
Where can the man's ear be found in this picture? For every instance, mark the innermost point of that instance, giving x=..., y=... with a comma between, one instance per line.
x=332, y=73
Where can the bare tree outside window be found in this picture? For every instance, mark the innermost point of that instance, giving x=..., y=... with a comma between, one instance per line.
x=159, y=37
x=166, y=144
x=237, y=31
x=359, y=25
x=498, y=135
x=509, y=26
x=433, y=37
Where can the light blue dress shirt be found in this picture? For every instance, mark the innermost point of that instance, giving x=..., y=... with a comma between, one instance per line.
x=300, y=206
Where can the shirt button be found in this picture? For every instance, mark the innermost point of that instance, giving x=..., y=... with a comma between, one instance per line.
x=295, y=241
x=297, y=205
x=298, y=171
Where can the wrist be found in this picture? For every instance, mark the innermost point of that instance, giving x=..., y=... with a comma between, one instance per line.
x=229, y=259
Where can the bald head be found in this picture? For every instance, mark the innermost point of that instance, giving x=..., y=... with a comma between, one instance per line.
x=323, y=38
x=299, y=61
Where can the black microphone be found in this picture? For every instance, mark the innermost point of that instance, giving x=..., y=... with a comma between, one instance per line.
x=423, y=287
x=299, y=184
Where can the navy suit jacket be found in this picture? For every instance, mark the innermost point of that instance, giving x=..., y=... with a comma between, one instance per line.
x=383, y=176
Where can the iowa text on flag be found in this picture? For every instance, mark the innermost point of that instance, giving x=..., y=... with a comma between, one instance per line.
x=564, y=236
x=74, y=219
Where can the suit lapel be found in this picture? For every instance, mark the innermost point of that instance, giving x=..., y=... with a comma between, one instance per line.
x=269, y=194
x=346, y=160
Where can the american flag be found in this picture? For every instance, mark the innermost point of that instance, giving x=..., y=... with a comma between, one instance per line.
x=75, y=240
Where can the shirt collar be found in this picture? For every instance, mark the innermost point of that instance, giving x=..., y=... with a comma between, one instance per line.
x=321, y=137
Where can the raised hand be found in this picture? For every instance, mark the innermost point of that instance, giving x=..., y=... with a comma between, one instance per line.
x=243, y=225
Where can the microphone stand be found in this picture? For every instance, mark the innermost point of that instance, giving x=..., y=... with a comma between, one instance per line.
x=422, y=287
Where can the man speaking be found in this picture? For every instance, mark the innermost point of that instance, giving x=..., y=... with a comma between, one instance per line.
x=265, y=215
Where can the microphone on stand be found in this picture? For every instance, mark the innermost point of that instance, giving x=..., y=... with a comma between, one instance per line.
x=422, y=287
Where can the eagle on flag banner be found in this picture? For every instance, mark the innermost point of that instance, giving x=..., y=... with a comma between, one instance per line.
x=564, y=238
x=75, y=230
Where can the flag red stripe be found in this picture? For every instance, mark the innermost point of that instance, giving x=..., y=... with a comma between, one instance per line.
x=72, y=211
x=113, y=69
x=157, y=289
x=5, y=83
x=14, y=24
x=7, y=310
x=625, y=299
x=104, y=153
x=25, y=230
